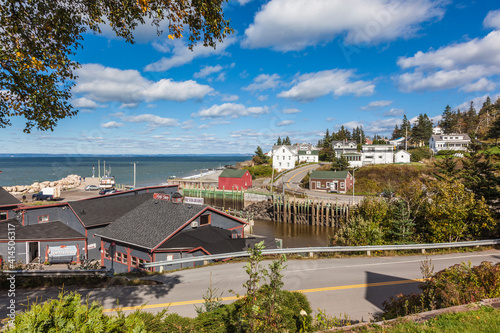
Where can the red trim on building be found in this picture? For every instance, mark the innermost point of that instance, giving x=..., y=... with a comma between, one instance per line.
x=102, y=252
x=129, y=258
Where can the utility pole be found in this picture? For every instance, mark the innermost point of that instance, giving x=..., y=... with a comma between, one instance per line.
x=99, y=167
x=353, y=181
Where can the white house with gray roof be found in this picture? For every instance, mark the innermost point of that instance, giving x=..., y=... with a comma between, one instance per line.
x=452, y=141
x=285, y=156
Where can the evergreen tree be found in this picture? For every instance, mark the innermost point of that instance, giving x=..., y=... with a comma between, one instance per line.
x=406, y=127
x=479, y=176
x=422, y=130
x=446, y=168
x=447, y=121
x=279, y=143
x=396, y=133
x=287, y=141
x=402, y=226
x=494, y=131
x=340, y=164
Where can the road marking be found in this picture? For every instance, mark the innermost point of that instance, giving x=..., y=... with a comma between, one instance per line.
x=233, y=298
x=290, y=179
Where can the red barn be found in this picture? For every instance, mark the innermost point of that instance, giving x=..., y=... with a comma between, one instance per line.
x=231, y=179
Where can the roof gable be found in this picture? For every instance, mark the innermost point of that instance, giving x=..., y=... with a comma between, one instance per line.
x=41, y=231
x=151, y=223
x=7, y=199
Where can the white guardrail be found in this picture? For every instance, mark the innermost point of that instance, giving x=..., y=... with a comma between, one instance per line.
x=311, y=250
x=61, y=272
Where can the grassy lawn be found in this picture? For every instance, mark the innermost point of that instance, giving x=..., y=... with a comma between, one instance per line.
x=485, y=319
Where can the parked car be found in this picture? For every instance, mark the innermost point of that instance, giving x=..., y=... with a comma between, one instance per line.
x=105, y=191
x=92, y=188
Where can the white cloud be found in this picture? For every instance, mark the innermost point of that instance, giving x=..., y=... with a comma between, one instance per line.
x=465, y=65
x=112, y=124
x=394, y=112
x=330, y=119
x=376, y=104
x=207, y=70
x=128, y=106
x=285, y=123
x=221, y=77
x=243, y=2
x=182, y=55
x=264, y=82
x=478, y=102
x=86, y=103
x=229, y=98
x=262, y=98
x=287, y=25
x=106, y=84
x=492, y=20
x=231, y=110
x=152, y=120
x=480, y=85
x=290, y=111
x=337, y=82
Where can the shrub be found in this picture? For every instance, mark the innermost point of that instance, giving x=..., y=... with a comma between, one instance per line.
x=456, y=285
x=358, y=232
x=419, y=154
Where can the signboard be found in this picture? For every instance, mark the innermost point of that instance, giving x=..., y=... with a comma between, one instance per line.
x=194, y=201
x=62, y=251
x=91, y=246
x=161, y=196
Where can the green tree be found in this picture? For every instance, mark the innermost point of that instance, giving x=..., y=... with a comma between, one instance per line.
x=479, y=176
x=446, y=168
x=448, y=120
x=259, y=157
x=450, y=213
x=340, y=164
x=422, y=130
x=279, y=141
x=287, y=141
x=494, y=130
x=38, y=40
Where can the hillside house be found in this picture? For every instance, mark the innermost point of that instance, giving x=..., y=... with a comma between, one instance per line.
x=451, y=141
x=377, y=154
x=286, y=156
x=344, y=147
x=331, y=181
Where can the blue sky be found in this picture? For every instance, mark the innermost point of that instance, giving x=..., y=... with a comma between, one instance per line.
x=293, y=68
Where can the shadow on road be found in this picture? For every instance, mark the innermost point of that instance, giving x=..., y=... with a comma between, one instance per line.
x=377, y=294
x=110, y=297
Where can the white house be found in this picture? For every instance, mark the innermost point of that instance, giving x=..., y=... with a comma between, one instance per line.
x=285, y=156
x=402, y=156
x=344, y=147
x=355, y=159
x=377, y=154
x=398, y=143
x=308, y=156
x=437, y=130
x=452, y=141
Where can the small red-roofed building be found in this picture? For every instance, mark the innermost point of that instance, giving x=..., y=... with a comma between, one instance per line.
x=231, y=179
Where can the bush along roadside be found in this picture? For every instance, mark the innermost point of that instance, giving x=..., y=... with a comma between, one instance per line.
x=456, y=285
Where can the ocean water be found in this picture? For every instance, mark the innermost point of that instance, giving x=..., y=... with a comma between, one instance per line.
x=151, y=170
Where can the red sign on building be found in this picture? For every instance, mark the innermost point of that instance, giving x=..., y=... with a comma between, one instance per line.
x=161, y=196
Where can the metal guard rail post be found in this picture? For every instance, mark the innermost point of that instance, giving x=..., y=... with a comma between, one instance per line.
x=326, y=249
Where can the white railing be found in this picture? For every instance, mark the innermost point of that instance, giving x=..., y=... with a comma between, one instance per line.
x=328, y=249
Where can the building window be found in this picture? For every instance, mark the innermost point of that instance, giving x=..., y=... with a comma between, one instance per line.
x=134, y=261
x=106, y=254
x=342, y=185
x=328, y=184
x=205, y=219
x=124, y=258
x=43, y=218
x=4, y=216
x=318, y=184
x=118, y=257
x=283, y=150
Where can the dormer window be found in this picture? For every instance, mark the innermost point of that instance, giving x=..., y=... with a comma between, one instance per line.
x=205, y=219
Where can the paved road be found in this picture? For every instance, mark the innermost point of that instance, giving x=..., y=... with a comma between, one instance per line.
x=355, y=286
x=292, y=180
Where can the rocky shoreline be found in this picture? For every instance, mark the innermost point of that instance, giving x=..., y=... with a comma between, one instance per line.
x=262, y=210
x=67, y=183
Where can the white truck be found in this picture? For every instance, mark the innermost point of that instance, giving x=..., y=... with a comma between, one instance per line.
x=48, y=193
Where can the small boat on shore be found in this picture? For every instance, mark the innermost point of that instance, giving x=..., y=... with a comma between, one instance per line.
x=107, y=182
